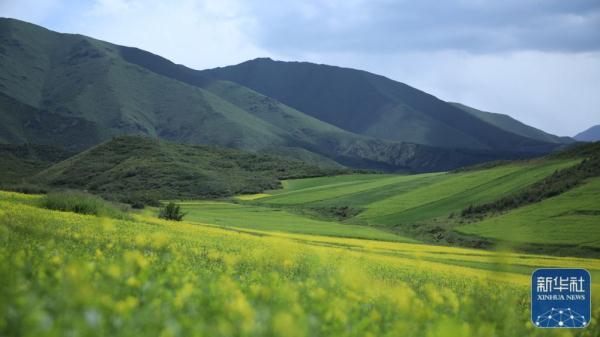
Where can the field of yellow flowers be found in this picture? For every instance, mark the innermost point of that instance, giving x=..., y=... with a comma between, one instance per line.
x=65, y=274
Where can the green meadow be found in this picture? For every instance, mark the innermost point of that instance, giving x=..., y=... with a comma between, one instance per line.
x=271, y=219
x=567, y=219
x=383, y=206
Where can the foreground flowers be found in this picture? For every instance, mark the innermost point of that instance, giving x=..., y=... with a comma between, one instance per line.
x=68, y=274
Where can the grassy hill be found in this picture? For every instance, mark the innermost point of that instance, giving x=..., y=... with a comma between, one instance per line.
x=74, y=91
x=510, y=124
x=372, y=105
x=21, y=162
x=441, y=207
x=396, y=200
x=567, y=219
x=133, y=168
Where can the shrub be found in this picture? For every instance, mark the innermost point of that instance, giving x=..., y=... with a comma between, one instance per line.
x=171, y=212
x=83, y=203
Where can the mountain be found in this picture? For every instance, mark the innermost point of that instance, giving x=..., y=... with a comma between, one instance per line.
x=510, y=124
x=372, y=105
x=590, y=135
x=75, y=92
x=135, y=168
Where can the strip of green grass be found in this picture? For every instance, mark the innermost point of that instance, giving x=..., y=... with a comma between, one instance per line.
x=457, y=191
x=269, y=219
x=332, y=188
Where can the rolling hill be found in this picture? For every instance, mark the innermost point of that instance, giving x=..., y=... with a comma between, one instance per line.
x=20, y=162
x=544, y=205
x=138, y=169
x=74, y=91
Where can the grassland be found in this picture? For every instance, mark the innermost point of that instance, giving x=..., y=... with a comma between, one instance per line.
x=65, y=273
x=393, y=199
x=272, y=219
x=567, y=219
x=428, y=206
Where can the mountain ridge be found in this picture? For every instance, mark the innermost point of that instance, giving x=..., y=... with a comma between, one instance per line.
x=370, y=104
x=511, y=124
x=77, y=92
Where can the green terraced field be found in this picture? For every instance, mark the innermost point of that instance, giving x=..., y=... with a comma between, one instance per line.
x=570, y=218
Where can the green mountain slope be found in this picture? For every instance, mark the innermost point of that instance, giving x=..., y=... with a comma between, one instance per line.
x=510, y=124
x=470, y=207
x=372, y=105
x=133, y=168
x=567, y=219
x=21, y=162
x=75, y=92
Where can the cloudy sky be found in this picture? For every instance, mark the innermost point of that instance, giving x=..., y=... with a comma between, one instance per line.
x=536, y=60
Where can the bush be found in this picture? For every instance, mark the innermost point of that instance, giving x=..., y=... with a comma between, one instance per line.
x=171, y=212
x=83, y=203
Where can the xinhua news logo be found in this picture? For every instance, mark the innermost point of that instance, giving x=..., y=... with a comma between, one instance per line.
x=561, y=298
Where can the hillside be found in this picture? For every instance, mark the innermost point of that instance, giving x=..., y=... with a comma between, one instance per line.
x=137, y=169
x=75, y=92
x=478, y=207
x=21, y=162
x=590, y=135
x=372, y=105
x=510, y=124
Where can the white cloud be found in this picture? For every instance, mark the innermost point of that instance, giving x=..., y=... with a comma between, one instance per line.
x=199, y=34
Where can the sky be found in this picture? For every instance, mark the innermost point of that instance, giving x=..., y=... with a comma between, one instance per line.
x=535, y=60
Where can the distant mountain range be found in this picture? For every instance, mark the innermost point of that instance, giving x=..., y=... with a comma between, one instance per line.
x=75, y=92
x=590, y=135
x=376, y=106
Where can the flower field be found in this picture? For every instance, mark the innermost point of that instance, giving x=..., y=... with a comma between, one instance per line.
x=65, y=274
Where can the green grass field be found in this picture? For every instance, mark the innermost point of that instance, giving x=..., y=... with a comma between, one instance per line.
x=568, y=219
x=271, y=219
x=69, y=274
x=436, y=199
x=395, y=199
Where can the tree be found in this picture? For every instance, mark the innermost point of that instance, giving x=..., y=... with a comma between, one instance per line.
x=171, y=212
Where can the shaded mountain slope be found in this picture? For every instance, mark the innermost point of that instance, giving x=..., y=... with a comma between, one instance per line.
x=372, y=105
x=507, y=123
